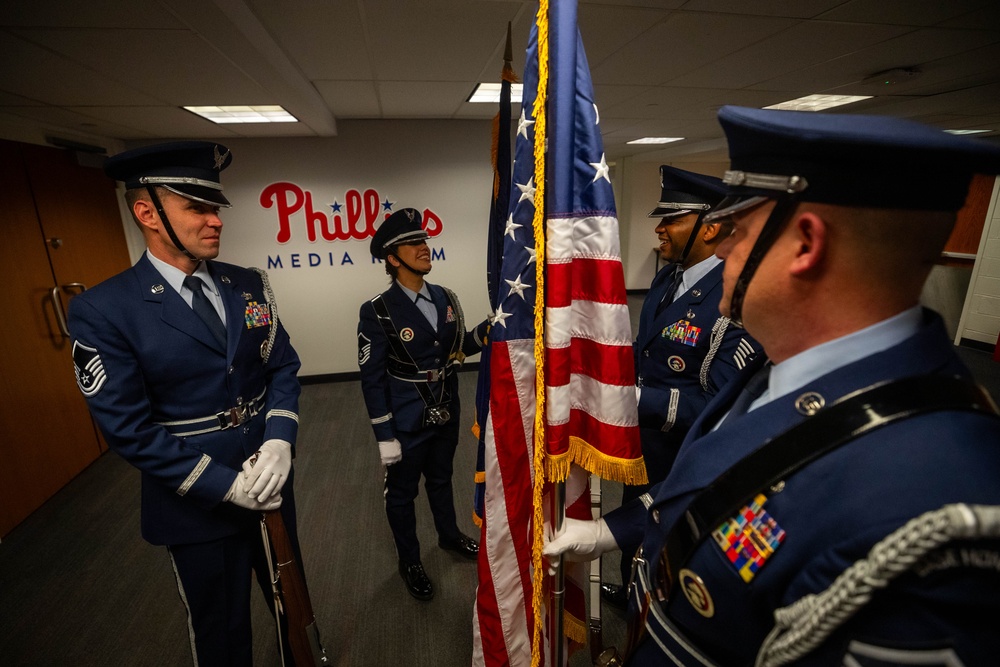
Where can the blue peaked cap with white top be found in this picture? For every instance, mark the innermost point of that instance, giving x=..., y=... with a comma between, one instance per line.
x=849, y=160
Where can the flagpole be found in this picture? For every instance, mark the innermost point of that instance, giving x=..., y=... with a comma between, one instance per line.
x=559, y=585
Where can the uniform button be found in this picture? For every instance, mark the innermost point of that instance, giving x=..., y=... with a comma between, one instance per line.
x=437, y=360
x=690, y=314
x=246, y=429
x=436, y=343
x=809, y=403
x=645, y=353
x=638, y=382
x=239, y=400
x=696, y=292
x=656, y=516
x=231, y=369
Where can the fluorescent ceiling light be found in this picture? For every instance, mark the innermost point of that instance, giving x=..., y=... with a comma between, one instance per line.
x=967, y=131
x=818, y=102
x=263, y=113
x=490, y=92
x=655, y=140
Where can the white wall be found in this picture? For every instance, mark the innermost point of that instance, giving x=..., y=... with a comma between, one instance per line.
x=440, y=165
x=640, y=194
x=981, y=313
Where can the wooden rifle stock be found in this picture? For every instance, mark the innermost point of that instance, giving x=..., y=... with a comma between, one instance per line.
x=293, y=596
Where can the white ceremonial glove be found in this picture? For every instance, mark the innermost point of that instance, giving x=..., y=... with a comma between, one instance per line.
x=237, y=495
x=267, y=470
x=579, y=541
x=638, y=394
x=390, y=451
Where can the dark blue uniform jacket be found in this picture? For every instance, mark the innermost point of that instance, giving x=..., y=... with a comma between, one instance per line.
x=672, y=348
x=834, y=510
x=395, y=405
x=161, y=364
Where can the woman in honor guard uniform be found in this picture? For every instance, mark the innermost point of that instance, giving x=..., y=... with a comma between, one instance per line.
x=411, y=341
x=192, y=380
x=845, y=510
x=685, y=350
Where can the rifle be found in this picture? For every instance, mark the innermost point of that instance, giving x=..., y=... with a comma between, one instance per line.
x=291, y=597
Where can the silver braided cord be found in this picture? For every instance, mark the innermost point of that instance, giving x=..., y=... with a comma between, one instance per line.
x=273, y=307
x=802, y=626
x=718, y=330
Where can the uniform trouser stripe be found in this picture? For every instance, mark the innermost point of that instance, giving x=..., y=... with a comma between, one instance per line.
x=187, y=608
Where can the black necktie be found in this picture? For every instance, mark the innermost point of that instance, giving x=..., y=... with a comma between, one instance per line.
x=205, y=310
x=672, y=284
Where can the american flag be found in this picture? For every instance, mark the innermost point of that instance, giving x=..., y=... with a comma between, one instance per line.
x=562, y=397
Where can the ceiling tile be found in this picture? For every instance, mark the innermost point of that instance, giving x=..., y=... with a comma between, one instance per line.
x=350, y=99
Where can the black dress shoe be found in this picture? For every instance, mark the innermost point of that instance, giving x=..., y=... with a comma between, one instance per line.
x=417, y=582
x=464, y=546
x=614, y=595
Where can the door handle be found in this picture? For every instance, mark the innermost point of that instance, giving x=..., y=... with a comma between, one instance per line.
x=71, y=286
x=60, y=315
x=58, y=307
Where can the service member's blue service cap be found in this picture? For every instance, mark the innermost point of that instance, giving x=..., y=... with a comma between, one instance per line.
x=683, y=192
x=188, y=168
x=403, y=226
x=848, y=160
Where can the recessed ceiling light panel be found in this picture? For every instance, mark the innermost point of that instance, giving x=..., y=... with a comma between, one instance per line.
x=261, y=113
x=818, y=102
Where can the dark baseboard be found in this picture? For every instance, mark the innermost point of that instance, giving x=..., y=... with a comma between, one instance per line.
x=356, y=375
x=977, y=345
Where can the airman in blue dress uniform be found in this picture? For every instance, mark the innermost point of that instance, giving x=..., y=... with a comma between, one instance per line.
x=411, y=342
x=876, y=541
x=685, y=350
x=193, y=383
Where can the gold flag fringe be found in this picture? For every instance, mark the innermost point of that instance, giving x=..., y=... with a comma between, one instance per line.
x=588, y=457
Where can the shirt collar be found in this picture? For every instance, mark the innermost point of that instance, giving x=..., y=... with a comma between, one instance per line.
x=691, y=276
x=175, y=277
x=426, y=293
x=801, y=369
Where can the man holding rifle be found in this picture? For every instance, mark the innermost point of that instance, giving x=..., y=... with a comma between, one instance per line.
x=192, y=380
x=838, y=503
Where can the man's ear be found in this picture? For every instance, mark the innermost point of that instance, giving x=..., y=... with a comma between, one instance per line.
x=145, y=214
x=710, y=230
x=809, y=234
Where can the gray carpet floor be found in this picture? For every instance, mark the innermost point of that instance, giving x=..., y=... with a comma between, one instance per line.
x=78, y=586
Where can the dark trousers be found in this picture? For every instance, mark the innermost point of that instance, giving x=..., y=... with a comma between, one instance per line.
x=428, y=452
x=214, y=581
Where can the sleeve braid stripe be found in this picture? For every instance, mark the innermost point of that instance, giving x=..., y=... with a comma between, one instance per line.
x=195, y=474
x=282, y=413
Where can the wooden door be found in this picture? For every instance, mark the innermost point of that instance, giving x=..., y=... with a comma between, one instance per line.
x=46, y=434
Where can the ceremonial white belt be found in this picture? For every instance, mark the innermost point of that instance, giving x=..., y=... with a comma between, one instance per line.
x=220, y=421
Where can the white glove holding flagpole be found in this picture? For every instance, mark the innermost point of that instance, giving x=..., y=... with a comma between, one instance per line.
x=579, y=541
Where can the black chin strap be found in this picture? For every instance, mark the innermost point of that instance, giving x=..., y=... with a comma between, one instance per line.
x=691, y=238
x=775, y=223
x=166, y=223
x=413, y=270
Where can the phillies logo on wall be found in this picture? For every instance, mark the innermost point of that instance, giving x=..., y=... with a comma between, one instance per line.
x=353, y=220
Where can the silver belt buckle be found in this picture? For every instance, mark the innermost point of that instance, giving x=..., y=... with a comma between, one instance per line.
x=237, y=416
x=434, y=375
